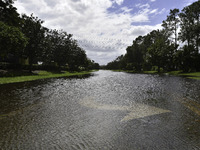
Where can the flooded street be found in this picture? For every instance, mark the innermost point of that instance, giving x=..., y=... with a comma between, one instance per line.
x=108, y=110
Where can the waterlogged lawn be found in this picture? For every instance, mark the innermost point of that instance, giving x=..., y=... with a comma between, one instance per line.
x=40, y=75
x=174, y=72
x=194, y=75
x=128, y=71
x=150, y=72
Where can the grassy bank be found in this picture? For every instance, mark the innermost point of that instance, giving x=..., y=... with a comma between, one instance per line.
x=192, y=75
x=40, y=75
x=130, y=71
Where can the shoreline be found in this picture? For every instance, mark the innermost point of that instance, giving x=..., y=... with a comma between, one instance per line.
x=41, y=75
x=191, y=75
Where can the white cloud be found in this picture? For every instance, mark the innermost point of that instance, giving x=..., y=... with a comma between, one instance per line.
x=126, y=9
x=119, y=2
x=143, y=14
x=154, y=11
x=104, y=35
x=142, y=5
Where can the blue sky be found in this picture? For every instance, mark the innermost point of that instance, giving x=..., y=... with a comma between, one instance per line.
x=103, y=28
x=159, y=6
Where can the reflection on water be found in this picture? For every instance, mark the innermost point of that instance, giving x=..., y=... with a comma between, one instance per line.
x=87, y=113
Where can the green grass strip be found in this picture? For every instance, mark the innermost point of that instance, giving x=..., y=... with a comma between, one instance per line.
x=196, y=78
x=194, y=74
x=150, y=72
x=41, y=75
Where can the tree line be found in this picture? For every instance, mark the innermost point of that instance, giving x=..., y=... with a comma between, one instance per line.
x=25, y=43
x=174, y=47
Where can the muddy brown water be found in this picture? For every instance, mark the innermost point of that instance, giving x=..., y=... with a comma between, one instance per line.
x=108, y=110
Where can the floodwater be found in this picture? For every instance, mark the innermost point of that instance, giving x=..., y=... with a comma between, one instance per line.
x=108, y=110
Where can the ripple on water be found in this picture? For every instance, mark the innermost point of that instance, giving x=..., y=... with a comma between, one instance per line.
x=48, y=114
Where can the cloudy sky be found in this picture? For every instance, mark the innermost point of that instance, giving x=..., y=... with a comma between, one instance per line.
x=103, y=28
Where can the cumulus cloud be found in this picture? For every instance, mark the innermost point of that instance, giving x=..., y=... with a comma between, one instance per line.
x=103, y=34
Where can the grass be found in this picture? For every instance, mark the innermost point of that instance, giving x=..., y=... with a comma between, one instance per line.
x=131, y=71
x=174, y=72
x=195, y=74
x=192, y=75
x=150, y=72
x=127, y=71
x=196, y=78
x=40, y=75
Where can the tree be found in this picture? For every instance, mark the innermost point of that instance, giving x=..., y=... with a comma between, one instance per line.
x=61, y=45
x=171, y=24
x=77, y=57
x=26, y=37
x=190, y=25
x=12, y=41
x=62, y=50
x=158, y=51
x=9, y=14
x=134, y=55
x=188, y=59
x=90, y=65
x=33, y=30
x=157, y=48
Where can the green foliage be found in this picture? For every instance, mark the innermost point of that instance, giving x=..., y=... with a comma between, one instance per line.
x=12, y=41
x=135, y=55
x=33, y=30
x=91, y=65
x=61, y=50
x=188, y=59
x=9, y=14
x=190, y=24
x=57, y=48
x=171, y=24
x=159, y=50
x=26, y=40
x=118, y=63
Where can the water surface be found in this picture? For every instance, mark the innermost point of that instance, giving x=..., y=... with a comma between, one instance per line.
x=109, y=110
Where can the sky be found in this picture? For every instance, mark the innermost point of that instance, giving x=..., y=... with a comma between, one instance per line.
x=103, y=28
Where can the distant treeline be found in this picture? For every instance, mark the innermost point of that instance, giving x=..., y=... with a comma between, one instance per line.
x=26, y=43
x=175, y=47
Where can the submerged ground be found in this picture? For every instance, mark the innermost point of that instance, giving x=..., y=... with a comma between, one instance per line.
x=109, y=110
